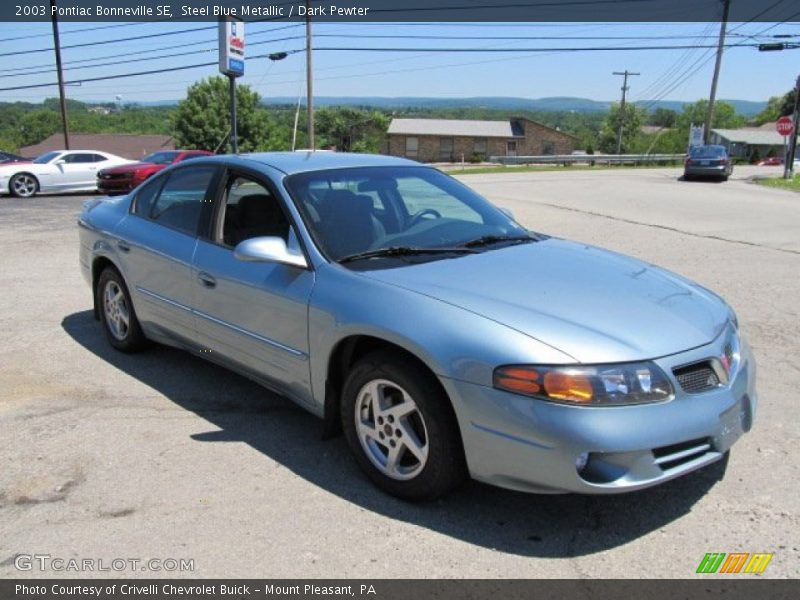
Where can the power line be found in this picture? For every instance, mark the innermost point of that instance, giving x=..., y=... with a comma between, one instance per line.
x=48, y=66
x=169, y=55
x=84, y=30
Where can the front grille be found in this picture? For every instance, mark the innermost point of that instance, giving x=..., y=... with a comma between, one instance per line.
x=669, y=457
x=107, y=176
x=697, y=378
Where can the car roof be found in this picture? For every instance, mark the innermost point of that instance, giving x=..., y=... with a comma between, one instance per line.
x=301, y=162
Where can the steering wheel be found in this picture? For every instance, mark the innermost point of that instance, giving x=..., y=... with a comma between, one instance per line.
x=416, y=218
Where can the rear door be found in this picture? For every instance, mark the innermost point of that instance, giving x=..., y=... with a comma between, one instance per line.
x=157, y=244
x=254, y=313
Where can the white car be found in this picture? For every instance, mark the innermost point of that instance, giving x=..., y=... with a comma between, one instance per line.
x=57, y=171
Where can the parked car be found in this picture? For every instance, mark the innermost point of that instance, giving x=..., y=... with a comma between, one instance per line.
x=57, y=171
x=122, y=179
x=770, y=161
x=7, y=157
x=440, y=335
x=708, y=161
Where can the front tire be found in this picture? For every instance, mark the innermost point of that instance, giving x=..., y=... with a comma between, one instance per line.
x=400, y=426
x=23, y=185
x=116, y=313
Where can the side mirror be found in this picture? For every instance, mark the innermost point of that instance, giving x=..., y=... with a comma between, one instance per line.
x=60, y=162
x=269, y=249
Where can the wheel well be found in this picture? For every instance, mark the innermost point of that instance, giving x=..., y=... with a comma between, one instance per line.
x=35, y=178
x=98, y=266
x=346, y=353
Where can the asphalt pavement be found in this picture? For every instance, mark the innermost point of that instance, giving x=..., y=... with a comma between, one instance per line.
x=163, y=456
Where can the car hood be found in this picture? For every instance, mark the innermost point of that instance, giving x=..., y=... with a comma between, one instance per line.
x=132, y=166
x=595, y=305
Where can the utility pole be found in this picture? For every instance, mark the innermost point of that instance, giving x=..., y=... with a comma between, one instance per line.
x=309, y=79
x=726, y=4
x=625, y=88
x=57, y=46
x=234, y=127
x=788, y=171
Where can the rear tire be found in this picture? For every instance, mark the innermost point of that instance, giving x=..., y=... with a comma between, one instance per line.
x=401, y=428
x=116, y=313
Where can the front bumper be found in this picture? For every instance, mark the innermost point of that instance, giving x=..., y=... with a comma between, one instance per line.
x=532, y=445
x=115, y=186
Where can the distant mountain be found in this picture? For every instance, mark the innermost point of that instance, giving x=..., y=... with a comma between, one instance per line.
x=551, y=104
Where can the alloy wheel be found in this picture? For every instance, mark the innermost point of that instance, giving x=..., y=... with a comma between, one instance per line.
x=391, y=429
x=116, y=310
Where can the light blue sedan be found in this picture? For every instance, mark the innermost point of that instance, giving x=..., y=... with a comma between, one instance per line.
x=443, y=338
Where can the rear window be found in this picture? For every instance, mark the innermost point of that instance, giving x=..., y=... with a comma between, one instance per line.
x=707, y=151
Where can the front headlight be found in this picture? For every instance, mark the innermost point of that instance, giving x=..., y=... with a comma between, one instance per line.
x=587, y=385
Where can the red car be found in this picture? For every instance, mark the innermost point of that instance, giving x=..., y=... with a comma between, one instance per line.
x=772, y=161
x=122, y=179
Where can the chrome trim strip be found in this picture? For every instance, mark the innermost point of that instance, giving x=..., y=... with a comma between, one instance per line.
x=237, y=329
x=701, y=449
x=163, y=299
x=251, y=334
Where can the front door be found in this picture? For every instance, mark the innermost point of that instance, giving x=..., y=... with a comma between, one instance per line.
x=254, y=313
x=511, y=148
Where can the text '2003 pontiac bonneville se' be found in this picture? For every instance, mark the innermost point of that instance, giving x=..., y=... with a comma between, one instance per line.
x=441, y=336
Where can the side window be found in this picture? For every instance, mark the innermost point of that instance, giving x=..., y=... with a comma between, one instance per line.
x=250, y=210
x=78, y=158
x=144, y=199
x=180, y=202
x=98, y=158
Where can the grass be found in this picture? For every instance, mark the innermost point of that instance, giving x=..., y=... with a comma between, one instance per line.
x=779, y=182
x=467, y=170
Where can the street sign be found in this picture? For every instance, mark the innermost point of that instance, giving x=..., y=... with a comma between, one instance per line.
x=231, y=48
x=696, y=135
x=785, y=126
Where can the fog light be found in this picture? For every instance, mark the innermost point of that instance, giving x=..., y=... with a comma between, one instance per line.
x=580, y=462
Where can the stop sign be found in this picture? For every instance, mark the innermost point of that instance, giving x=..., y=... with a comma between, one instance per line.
x=785, y=126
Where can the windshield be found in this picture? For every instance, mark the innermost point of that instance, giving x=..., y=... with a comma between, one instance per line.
x=46, y=157
x=160, y=158
x=707, y=152
x=351, y=211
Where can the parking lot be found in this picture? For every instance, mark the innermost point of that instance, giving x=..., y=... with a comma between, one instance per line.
x=164, y=456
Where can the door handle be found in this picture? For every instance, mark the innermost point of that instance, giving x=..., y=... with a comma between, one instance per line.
x=206, y=279
x=123, y=246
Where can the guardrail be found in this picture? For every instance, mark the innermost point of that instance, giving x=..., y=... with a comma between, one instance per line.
x=604, y=159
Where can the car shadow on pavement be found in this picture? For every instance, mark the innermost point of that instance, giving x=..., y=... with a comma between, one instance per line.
x=524, y=524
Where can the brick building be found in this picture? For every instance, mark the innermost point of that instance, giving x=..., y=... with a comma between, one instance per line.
x=450, y=140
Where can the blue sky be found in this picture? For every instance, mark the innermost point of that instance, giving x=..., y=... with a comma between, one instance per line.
x=746, y=74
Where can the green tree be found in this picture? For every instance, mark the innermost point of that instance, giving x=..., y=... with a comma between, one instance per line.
x=631, y=133
x=351, y=129
x=663, y=117
x=725, y=116
x=37, y=125
x=777, y=106
x=202, y=120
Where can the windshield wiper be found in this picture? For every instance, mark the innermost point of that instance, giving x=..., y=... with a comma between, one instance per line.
x=403, y=251
x=486, y=240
